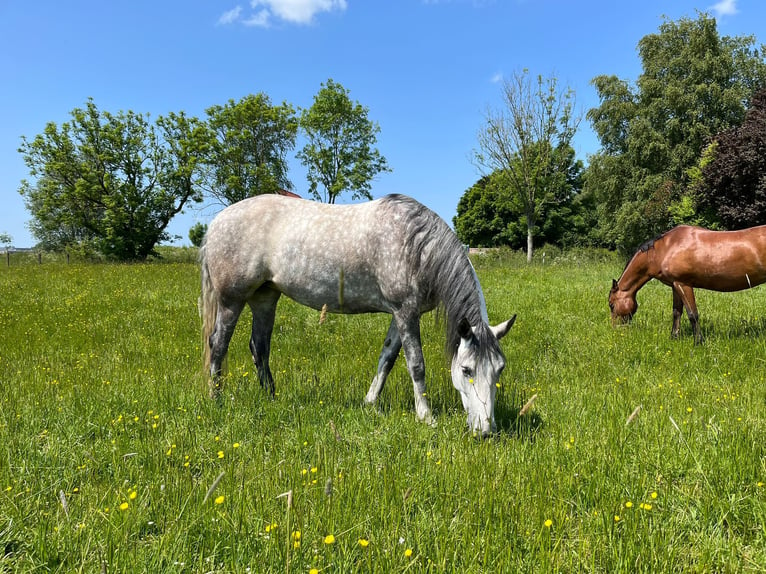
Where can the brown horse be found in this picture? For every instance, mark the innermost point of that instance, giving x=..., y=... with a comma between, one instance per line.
x=686, y=257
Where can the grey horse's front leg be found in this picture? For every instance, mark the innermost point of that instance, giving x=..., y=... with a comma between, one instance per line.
x=388, y=355
x=409, y=331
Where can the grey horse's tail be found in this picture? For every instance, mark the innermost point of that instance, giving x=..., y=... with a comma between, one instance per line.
x=208, y=308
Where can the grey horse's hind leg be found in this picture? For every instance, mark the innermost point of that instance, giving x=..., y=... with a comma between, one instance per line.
x=225, y=322
x=263, y=304
x=408, y=324
x=388, y=355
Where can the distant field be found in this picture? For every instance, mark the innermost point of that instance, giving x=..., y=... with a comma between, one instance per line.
x=112, y=459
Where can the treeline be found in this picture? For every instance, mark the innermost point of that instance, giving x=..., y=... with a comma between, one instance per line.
x=685, y=143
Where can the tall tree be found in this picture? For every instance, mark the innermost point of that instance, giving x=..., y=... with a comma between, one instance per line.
x=694, y=84
x=249, y=143
x=340, y=153
x=112, y=181
x=490, y=213
x=528, y=140
x=732, y=185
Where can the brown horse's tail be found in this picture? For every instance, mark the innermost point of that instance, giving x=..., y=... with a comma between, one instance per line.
x=208, y=308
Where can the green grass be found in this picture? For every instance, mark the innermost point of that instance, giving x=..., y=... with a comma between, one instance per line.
x=102, y=405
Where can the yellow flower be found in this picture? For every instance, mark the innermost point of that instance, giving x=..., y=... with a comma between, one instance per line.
x=408, y=553
x=124, y=506
x=548, y=523
x=296, y=535
x=329, y=539
x=220, y=499
x=313, y=571
x=235, y=445
x=629, y=504
x=132, y=495
x=616, y=518
x=220, y=454
x=689, y=409
x=653, y=494
x=363, y=542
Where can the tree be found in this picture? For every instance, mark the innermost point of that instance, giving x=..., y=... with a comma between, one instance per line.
x=490, y=213
x=249, y=143
x=113, y=181
x=6, y=240
x=340, y=154
x=529, y=141
x=694, y=84
x=197, y=234
x=732, y=185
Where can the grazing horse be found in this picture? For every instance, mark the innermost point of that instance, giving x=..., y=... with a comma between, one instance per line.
x=687, y=257
x=392, y=255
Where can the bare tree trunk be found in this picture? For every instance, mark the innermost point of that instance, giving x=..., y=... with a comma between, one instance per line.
x=530, y=244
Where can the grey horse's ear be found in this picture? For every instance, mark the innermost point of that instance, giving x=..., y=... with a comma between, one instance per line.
x=464, y=329
x=502, y=329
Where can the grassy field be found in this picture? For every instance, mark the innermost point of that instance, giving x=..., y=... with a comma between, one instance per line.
x=112, y=459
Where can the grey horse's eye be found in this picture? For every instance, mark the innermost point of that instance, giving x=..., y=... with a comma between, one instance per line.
x=467, y=372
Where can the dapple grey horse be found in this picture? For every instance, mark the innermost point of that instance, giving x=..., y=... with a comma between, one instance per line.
x=392, y=255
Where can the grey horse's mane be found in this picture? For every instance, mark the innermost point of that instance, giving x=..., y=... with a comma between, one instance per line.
x=436, y=256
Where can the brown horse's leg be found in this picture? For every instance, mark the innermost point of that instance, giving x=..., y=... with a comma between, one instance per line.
x=690, y=304
x=678, y=309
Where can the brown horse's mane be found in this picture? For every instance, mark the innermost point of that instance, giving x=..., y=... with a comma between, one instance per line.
x=643, y=248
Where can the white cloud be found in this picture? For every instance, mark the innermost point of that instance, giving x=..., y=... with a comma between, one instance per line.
x=496, y=78
x=293, y=11
x=300, y=11
x=231, y=16
x=725, y=8
x=260, y=19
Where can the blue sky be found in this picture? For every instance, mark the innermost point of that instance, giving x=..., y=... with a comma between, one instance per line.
x=427, y=70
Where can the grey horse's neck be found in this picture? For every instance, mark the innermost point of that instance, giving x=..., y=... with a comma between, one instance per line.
x=482, y=301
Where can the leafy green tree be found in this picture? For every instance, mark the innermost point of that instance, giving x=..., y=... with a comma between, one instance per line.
x=491, y=212
x=111, y=181
x=340, y=153
x=248, y=147
x=488, y=215
x=732, y=186
x=197, y=234
x=6, y=239
x=528, y=140
x=694, y=84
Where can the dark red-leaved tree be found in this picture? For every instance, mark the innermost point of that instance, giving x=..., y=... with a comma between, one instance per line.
x=733, y=184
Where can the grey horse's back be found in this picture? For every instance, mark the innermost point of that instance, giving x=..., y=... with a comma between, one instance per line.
x=351, y=258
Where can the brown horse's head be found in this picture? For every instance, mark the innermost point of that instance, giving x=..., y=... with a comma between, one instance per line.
x=622, y=304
